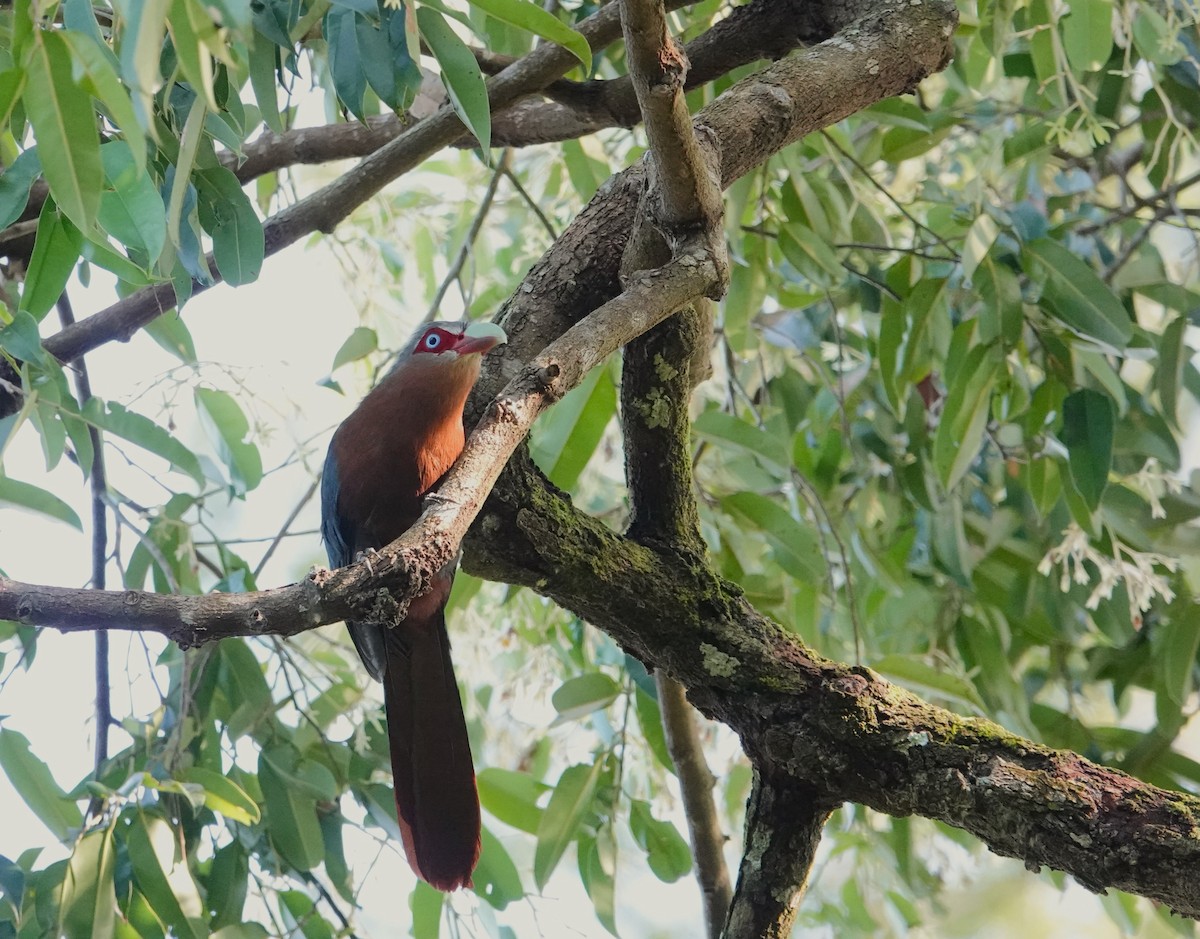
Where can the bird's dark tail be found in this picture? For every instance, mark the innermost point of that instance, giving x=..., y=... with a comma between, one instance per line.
x=436, y=799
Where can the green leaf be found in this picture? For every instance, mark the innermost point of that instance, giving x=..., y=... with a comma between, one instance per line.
x=32, y=780
x=965, y=414
x=1089, y=419
x=12, y=83
x=179, y=177
x=15, y=183
x=460, y=74
x=241, y=680
x=1003, y=314
x=65, y=126
x=35, y=499
x=241, y=931
x=426, y=905
x=163, y=876
x=650, y=719
x=717, y=425
x=223, y=795
x=55, y=251
x=131, y=209
x=1077, y=297
x=1175, y=644
x=346, y=59
x=359, y=344
x=571, y=799
x=291, y=813
x=586, y=173
x=1087, y=34
x=511, y=797
x=811, y=255
x=230, y=430
x=22, y=340
x=335, y=853
x=597, y=870
x=796, y=547
x=97, y=68
x=666, y=851
x=89, y=899
x=978, y=242
x=386, y=62
x=139, y=429
x=172, y=334
x=532, y=18
x=140, y=50
x=567, y=435
x=919, y=674
x=301, y=917
x=227, y=214
x=227, y=885
x=495, y=877
x=194, y=61
x=1168, y=377
x=579, y=696
x=263, y=65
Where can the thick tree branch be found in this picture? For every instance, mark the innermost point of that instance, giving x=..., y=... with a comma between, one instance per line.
x=783, y=829
x=840, y=730
x=683, y=198
x=886, y=54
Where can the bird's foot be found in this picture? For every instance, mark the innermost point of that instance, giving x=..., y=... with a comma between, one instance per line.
x=366, y=556
x=436, y=498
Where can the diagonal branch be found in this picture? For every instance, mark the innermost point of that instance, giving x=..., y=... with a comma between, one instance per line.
x=405, y=568
x=837, y=730
x=783, y=829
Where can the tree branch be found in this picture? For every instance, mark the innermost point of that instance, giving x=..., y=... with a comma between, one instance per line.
x=324, y=209
x=783, y=829
x=840, y=730
x=696, y=783
x=98, y=483
x=682, y=201
x=374, y=589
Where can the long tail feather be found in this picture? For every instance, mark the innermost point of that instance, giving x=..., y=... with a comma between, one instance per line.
x=436, y=798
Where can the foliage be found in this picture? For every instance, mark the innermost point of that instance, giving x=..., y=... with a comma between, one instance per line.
x=947, y=437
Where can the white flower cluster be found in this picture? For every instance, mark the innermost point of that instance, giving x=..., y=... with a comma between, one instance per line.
x=1136, y=569
x=1151, y=481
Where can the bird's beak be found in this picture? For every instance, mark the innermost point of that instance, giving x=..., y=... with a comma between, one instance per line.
x=480, y=337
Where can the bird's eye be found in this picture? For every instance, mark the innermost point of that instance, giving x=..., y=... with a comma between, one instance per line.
x=432, y=341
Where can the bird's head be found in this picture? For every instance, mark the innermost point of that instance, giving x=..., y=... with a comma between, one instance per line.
x=449, y=342
x=447, y=355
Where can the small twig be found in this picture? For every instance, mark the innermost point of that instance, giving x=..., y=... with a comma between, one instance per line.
x=1166, y=194
x=866, y=174
x=347, y=931
x=696, y=783
x=468, y=244
x=532, y=203
x=98, y=482
x=283, y=529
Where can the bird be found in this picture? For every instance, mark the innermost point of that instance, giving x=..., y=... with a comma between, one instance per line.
x=393, y=449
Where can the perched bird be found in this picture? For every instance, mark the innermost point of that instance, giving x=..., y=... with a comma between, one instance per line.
x=394, y=448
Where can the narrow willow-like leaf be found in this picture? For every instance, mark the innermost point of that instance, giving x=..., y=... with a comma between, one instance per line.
x=65, y=127
x=460, y=74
